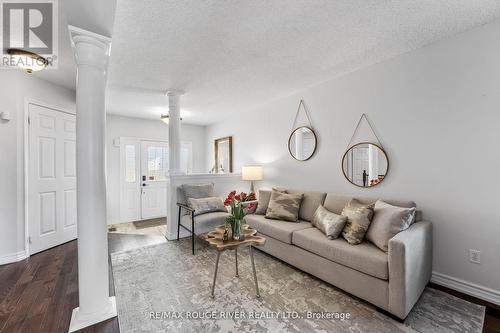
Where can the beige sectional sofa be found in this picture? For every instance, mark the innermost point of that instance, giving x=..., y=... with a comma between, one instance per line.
x=392, y=281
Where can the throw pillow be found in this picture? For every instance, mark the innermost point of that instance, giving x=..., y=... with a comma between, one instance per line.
x=284, y=206
x=207, y=205
x=388, y=221
x=359, y=217
x=197, y=191
x=264, y=197
x=329, y=223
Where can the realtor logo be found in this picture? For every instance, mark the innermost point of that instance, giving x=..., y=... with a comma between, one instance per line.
x=30, y=26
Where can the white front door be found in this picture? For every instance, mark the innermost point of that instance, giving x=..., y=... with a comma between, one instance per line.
x=143, y=177
x=154, y=170
x=51, y=178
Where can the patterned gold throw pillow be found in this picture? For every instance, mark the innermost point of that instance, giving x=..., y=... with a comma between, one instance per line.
x=329, y=223
x=359, y=217
x=284, y=206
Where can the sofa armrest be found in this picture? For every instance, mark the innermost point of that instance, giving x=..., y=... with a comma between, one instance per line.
x=410, y=267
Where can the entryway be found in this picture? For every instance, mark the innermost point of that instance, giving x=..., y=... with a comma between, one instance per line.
x=144, y=167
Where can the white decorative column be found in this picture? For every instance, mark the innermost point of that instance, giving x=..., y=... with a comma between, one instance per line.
x=95, y=305
x=174, y=131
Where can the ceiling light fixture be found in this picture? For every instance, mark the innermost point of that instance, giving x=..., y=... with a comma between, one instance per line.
x=165, y=118
x=29, y=61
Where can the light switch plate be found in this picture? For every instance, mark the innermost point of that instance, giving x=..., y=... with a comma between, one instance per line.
x=5, y=116
x=475, y=256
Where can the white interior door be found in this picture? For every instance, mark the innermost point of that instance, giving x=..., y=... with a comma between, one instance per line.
x=154, y=170
x=130, y=180
x=51, y=178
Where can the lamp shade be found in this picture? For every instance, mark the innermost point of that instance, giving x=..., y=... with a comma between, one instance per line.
x=252, y=172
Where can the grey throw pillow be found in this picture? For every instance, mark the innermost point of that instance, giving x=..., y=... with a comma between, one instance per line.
x=197, y=191
x=359, y=217
x=284, y=206
x=329, y=223
x=207, y=205
x=388, y=221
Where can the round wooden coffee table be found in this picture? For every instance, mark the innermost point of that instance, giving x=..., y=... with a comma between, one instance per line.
x=215, y=239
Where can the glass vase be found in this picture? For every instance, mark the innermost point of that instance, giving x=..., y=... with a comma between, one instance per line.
x=237, y=229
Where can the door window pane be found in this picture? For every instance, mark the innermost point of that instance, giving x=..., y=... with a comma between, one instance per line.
x=157, y=163
x=130, y=176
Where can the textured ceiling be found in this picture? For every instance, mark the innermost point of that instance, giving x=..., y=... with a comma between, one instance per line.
x=93, y=15
x=230, y=56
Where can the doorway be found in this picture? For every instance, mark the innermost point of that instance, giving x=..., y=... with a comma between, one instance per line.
x=144, y=168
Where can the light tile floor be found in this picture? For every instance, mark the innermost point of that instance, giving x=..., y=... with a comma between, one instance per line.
x=146, y=227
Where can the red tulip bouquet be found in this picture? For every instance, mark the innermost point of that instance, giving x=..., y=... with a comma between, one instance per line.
x=240, y=205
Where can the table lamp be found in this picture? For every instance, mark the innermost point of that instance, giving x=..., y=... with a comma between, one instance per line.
x=252, y=173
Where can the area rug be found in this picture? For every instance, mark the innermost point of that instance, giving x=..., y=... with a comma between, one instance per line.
x=163, y=288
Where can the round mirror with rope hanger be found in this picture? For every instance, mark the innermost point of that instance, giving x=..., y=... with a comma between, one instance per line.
x=302, y=141
x=365, y=164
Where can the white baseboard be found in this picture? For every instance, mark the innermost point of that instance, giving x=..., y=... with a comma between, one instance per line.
x=12, y=257
x=469, y=288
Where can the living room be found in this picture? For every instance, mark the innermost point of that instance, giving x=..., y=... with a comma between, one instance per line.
x=278, y=166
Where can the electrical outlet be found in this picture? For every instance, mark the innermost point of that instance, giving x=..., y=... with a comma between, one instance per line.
x=475, y=256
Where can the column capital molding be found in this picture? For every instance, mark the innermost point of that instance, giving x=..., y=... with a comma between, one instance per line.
x=89, y=48
x=174, y=92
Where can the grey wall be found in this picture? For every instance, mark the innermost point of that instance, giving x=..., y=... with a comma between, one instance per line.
x=437, y=112
x=118, y=126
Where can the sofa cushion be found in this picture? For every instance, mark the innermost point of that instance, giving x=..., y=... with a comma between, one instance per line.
x=310, y=202
x=280, y=230
x=365, y=257
x=336, y=202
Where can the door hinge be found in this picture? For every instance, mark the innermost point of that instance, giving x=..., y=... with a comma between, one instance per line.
x=29, y=120
x=29, y=239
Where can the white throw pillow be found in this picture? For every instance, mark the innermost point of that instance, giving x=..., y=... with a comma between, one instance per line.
x=388, y=221
x=207, y=205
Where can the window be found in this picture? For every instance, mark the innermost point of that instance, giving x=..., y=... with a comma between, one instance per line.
x=130, y=176
x=157, y=163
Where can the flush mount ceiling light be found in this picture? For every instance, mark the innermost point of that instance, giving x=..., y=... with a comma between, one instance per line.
x=165, y=118
x=29, y=61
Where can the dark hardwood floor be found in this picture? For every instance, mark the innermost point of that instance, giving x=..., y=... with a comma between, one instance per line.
x=39, y=294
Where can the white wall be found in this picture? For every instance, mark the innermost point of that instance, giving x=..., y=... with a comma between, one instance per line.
x=437, y=111
x=16, y=87
x=118, y=126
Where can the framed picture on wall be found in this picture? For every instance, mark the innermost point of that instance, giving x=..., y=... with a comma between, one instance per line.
x=223, y=149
